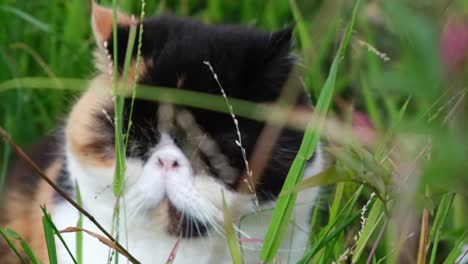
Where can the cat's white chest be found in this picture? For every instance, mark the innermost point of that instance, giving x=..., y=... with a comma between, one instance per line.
x=149, y=244
x=146, y=244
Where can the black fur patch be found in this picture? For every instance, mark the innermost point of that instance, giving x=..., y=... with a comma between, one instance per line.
x=64, y=182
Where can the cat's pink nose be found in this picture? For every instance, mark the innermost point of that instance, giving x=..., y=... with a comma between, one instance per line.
x=168, y=163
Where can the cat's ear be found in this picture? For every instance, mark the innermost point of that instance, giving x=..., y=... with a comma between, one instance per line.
x=280, y=42
x=283, y=37
x=102, y=20
x=271, y=70
x=102, y=23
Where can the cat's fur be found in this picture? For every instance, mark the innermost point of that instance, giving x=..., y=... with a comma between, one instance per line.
x=179, y=159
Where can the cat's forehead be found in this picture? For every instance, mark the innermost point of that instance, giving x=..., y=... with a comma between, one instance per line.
x=171, y=118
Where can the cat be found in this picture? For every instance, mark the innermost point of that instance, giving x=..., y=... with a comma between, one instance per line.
x=180, y=161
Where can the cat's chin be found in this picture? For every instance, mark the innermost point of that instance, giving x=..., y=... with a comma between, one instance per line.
x=184, y=224
x=178, y=222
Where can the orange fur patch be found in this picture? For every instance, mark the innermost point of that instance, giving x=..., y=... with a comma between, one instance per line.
x=79, y=130
x=102, y=19
x=25, y=215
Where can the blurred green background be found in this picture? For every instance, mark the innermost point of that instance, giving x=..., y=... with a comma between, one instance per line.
x=402, y=87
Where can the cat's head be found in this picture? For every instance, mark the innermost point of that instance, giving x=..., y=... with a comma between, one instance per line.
x=180, y=159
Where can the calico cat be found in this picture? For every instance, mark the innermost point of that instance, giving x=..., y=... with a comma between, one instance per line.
x=179, y=159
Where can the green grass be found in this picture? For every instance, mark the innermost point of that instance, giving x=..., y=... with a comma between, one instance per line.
x=418, y=112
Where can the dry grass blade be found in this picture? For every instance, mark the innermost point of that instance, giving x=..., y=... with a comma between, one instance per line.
x=101, y=238
x=250, y=179
x=39, y=172
x=423, y=239
x=173, y=253
x=377, y=241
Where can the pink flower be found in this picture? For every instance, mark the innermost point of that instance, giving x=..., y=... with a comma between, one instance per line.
x=454, y=43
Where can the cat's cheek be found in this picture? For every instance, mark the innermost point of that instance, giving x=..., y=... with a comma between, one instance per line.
x=88, y=175
x=134, y=171
x=213, y=191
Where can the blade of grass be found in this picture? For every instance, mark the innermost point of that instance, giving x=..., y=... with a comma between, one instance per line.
x=344, y=215
x=304, y=37
x=285, y=204
x=118, y=109
x=328, y=238
x=441, y=215
x=49, y=237
x=29, y=252
x=247, y=109
x=27, y=17
x=375, y=216
x=380, y=152
x=327, y=177
x=24, y=245
x=6, y=152
x=231, y=236
x=313, y=220
x=119, y=97
x=12, y=246
x=457, y=249
x=137, y=63
x=371, y=104
x=79, y=224
x=57, y=233
x=336, y=202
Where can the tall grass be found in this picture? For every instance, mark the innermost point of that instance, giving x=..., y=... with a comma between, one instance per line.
x=408, y=113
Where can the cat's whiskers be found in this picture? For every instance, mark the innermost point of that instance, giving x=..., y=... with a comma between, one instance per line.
x=205, y=222
x=208, y=216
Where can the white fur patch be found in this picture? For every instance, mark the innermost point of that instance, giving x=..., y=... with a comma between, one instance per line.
x=198, y=195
